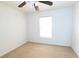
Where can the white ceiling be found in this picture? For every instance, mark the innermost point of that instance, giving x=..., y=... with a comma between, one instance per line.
x=29, y=7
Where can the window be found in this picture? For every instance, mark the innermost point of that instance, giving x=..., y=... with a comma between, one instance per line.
x=46, y=27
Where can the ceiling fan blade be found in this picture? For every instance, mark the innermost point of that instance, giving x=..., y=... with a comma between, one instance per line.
x=36, y=7
x=22, y=4
x=47, y=2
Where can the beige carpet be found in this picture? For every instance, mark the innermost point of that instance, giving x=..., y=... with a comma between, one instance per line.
x=35, y=50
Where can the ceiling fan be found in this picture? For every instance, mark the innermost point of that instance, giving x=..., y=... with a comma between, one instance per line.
x=34, y=4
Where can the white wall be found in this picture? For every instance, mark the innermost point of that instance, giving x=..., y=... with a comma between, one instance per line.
x=62, y=26
x=75, y=41
x=13, y=28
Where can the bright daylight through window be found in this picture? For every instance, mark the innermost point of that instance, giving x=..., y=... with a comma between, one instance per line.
x=46, y=27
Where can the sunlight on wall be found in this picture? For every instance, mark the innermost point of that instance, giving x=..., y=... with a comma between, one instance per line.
x=46, y=27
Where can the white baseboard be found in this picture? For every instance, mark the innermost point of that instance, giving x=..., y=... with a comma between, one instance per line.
x=75, y=52
x=13, y=48
x=50, y=43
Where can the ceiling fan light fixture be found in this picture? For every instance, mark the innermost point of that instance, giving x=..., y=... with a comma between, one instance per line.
x=35, y=4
